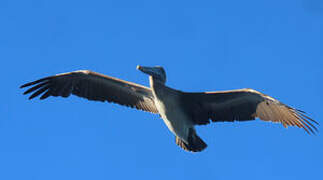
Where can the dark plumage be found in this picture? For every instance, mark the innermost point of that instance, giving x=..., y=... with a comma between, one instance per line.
x=93, y=86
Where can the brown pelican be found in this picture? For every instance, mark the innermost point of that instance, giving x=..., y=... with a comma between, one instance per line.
x=181, y=111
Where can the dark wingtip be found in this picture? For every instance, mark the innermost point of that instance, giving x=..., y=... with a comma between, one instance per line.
x=45, y=95
x=307, y=121
x=310, y=119
x=35, y=82
x=24, y=85
x=29, y=84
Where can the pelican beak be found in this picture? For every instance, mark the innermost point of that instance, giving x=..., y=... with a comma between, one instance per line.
x=139, y=67
x=146, y=70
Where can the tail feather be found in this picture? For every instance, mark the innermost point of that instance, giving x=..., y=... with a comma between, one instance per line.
x=195, y=143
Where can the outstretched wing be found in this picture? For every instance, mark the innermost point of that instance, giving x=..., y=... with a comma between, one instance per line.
x=243, y=105
x=93, y=86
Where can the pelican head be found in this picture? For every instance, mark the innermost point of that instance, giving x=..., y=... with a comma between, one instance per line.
x=157, y=72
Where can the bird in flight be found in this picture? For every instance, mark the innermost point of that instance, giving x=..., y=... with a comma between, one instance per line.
x=180, y=111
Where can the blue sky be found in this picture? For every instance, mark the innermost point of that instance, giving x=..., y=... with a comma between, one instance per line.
x=272, y=46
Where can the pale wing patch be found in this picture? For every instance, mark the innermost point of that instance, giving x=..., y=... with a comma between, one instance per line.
x=274, y=111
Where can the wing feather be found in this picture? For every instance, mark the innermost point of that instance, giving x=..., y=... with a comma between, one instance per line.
x=93, y=86
x=242, y=105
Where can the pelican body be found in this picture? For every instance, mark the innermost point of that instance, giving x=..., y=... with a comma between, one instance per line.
x=181, y=111
x=170, y=107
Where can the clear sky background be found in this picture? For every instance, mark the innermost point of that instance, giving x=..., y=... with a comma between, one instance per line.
x=272, y=46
